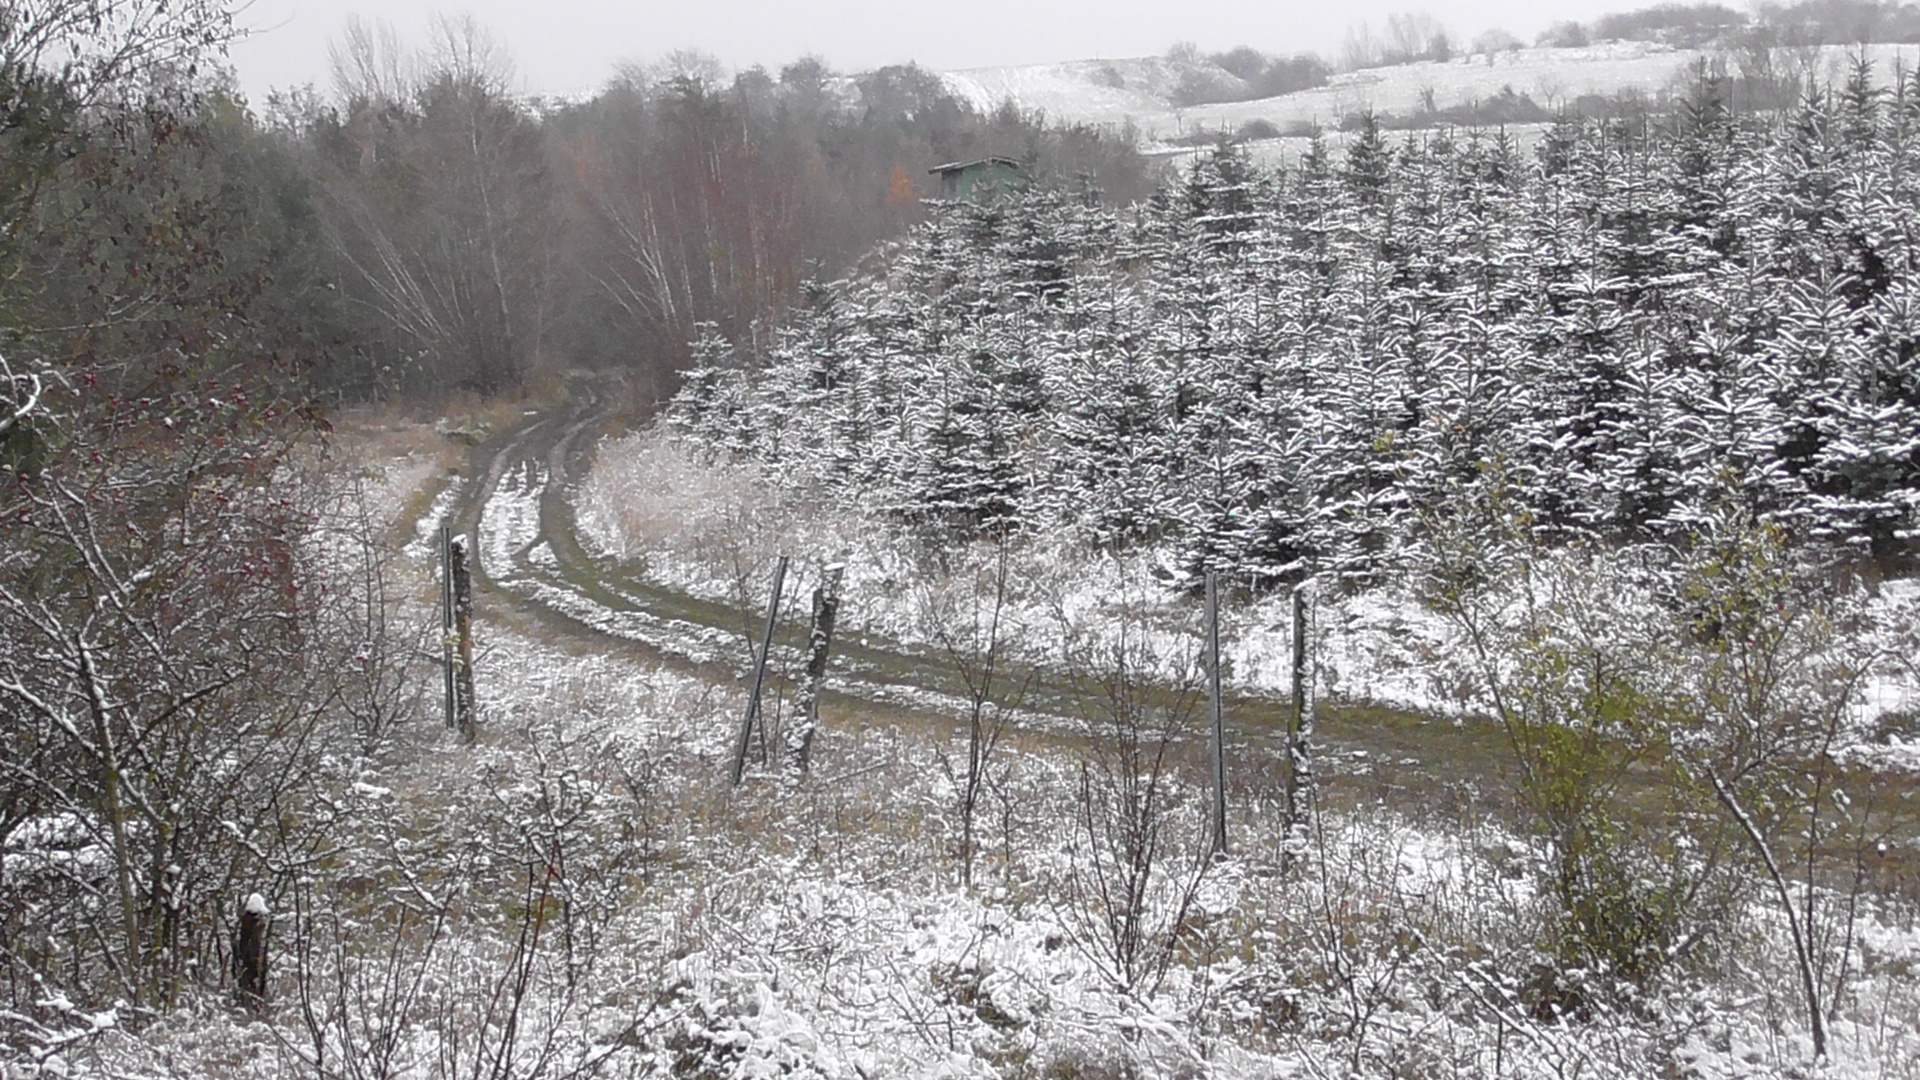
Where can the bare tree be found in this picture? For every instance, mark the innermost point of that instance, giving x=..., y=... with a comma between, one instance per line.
x=371, y=65
x=1134, y=870
x=966, y=614
x=99, y=48
x=442, y=212
x=157, y=674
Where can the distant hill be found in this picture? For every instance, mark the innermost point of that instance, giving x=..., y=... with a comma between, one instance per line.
x=1517, y=88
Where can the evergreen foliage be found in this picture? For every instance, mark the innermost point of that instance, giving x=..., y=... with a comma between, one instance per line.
x=1277, y=373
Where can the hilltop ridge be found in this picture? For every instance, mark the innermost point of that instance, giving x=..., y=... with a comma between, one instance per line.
x=1515, y=87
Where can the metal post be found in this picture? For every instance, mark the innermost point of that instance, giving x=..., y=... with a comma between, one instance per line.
x=1217, y=708
x=759, y=675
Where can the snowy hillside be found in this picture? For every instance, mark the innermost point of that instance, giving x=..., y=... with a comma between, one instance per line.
x=1140, y=91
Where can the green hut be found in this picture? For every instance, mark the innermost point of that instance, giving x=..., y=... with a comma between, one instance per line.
x=981, y=180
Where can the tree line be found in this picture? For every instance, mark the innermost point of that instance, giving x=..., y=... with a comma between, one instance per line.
x=478, y=238
x=1284, y=373
x=197, y=626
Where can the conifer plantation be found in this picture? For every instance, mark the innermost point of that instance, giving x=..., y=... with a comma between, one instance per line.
x=1636, y=325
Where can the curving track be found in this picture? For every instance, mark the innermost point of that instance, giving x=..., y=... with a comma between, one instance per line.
x=519, y=504
x=519, y=501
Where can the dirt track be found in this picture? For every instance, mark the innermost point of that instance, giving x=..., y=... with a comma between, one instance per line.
x=518, y=504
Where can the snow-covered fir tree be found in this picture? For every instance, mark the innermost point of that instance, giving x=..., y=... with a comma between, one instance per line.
x=1284, y=373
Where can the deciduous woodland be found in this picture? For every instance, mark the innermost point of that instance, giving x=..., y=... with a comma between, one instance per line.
x=1540, y=524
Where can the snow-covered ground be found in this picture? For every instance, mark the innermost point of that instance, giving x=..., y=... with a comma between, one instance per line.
x=822, y=931
x=585, y=895
x=715, y=531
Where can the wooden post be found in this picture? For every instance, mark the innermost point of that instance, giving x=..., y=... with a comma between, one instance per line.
x=759, y=675
x=806, y=711
x=446, y=618
x=1300, y=724
x=250, y=954
x=1217, y=709
x=463, y=704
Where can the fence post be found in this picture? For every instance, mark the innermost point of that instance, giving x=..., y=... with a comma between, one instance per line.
x=446, y=619
x=1217, y=710
x=1300, y=724
x=806, y=712
x=759, y=675
x=463, y=631
x=250, y=954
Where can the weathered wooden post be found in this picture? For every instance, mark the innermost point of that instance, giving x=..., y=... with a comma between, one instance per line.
x=250, y=954
x=463, y=704
x=759, y=675
x=1217, y=710
x=806, y=711
x=1300, y=724
x=446, y=618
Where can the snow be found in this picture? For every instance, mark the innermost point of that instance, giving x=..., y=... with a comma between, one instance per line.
x=820, y=927
x=1076, y=91
x=1381, y=646
x=818, y=930
x=426, y=531
x=1082, y=91
x=510, y=519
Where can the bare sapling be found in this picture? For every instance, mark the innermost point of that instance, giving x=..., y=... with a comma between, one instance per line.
x=377, y=690
x=967, y=615
x=359, y=984
x=1777, y=669
x=1128, y=891
x=1586, y=688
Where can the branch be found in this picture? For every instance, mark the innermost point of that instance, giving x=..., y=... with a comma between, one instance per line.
x=31, y=381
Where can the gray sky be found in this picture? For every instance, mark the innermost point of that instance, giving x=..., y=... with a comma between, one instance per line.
x=571, y=46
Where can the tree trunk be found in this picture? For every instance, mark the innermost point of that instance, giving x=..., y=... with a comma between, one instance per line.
x=806, y=712
x=463, y=631
x=250, y=954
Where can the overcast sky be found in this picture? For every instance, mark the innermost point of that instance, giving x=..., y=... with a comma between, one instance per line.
x=573, y=46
